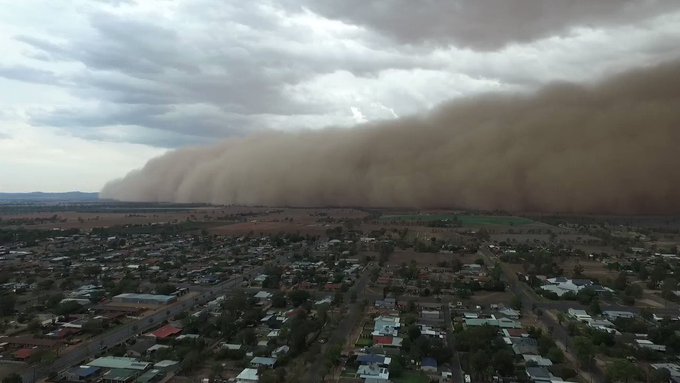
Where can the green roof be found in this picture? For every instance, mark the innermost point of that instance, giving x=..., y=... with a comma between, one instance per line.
x=120, y=375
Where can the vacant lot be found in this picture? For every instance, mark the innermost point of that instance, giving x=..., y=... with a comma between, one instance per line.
x=428, y=259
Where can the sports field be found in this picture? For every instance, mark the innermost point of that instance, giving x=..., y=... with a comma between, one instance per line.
x=465, y=220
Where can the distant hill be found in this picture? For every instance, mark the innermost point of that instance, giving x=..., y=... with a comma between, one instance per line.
x=74, y=196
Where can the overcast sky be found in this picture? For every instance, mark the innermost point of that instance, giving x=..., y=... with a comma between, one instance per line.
x=92, y=89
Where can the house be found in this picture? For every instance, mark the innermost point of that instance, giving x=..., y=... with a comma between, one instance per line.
x=537, y=360
x=521, y=346
x=509, y=313
x=386, y=326
x=150, y=376
x=614, y=315
x=380, y=360
x=501, y=322
x=673, y=368
x=248, y=375
x=429, y=365
x=373, y=373
x=261, y=361
x=281, y=351
x=579, y=315
x=24, y=354
x=263, y=295
x=539, y=374
x=388, y=303
x=562, y=285
x=119, y=375
x=387, y=341
x=115, y=362
x=81, y=374
x=166, y=332
x=648, y=344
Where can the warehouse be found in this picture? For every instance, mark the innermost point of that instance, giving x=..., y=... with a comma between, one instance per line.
x=145, y=299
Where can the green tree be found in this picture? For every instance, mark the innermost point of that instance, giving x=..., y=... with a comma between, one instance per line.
x=298, y=297
x=584, y=350
x=594, y=307
x=279, y=300
x=7, y=303
x=396, y=368
x=12, y=378
x=622, y=370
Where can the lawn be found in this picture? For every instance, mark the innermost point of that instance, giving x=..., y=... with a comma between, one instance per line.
x=412, y=377
x=364, y=343
x=465, y=220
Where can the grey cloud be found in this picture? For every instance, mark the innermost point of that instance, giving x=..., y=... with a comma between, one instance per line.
x=487, y=24
x=28, y=74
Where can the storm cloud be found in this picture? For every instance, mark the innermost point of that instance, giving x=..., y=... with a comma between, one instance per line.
x=604, y=148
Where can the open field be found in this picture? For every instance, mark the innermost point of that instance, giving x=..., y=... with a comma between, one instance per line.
x=465, y=220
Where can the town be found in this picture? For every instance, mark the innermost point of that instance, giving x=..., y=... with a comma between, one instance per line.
x=146, y=293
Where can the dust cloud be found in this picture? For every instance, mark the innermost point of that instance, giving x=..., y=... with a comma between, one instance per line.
x=610, y=147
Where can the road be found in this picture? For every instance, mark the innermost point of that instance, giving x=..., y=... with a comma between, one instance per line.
x=120, y=334
x=341, y=332
x=456, y=370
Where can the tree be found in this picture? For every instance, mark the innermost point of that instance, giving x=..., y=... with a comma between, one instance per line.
x=516, y=303
x=7, y=303
x=165, y=289
x=353, y=295
x=578, y=270
x=337, y=298
x=298, y=297
x=396, y=368
x=555, y=354
x=584, y=349
x=622, y=370
x=621, y=282
x=594, y=307
x=502, y=361
x=279, y=300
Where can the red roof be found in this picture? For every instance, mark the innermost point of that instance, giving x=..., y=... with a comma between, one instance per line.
x=516, y=332
x=166, y=331
x=382, y=339
x=24, y=353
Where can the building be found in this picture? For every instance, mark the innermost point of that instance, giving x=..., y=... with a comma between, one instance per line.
x=429, y=365
x=149, y=299
x=116, y=362
x=386, y=326
x=166, y=332
x=119, y=375
x=261, y=361
x=81, y=374
x=373, y=373
x=248, y=375
x=614, y=315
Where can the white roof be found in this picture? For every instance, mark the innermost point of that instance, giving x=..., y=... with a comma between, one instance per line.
x=248, y=374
